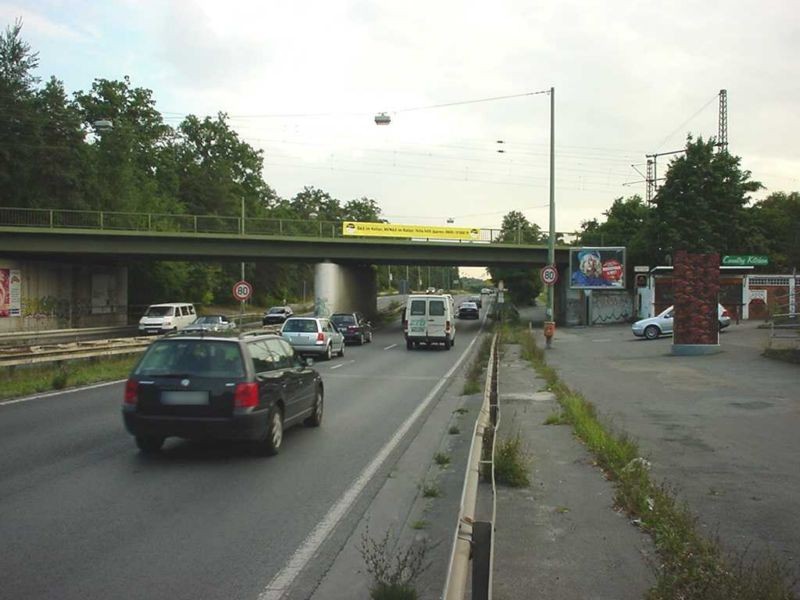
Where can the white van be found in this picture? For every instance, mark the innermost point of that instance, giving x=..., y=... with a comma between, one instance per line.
x=170, y=316
x=428, y=319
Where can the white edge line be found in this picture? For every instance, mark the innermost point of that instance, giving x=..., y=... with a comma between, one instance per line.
x=60, y=392
x=302, y=556
x=390, y=347
x=337, y=367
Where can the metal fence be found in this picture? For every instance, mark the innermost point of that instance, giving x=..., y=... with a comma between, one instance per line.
x=93, y=220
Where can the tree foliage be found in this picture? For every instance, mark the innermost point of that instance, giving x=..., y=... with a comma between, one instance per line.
x=522, y=281
x=702, y=206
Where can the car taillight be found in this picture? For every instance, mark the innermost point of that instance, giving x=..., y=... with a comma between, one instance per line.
x=405, y=325
x=320, y=337
x=246, y=395
x=725, y=313
x=131, y=392
x=447, y=326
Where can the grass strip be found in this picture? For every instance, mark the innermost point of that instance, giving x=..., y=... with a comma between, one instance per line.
x=691, y=565
x=473, y=382
x=23, y=380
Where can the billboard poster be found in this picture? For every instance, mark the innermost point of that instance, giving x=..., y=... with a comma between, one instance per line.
x=10, y=293
x=597, y=268
x=368, y=229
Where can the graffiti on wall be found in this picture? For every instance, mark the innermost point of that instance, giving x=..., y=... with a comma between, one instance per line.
x=611, y=308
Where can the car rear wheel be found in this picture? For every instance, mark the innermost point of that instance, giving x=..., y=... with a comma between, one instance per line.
x=271, y=444
x=361, y=340
x=341, y=352
x=369, y=337
x=447, y=343
x=409, y=344
x=328, y=353
x=651, y=332
x=149, y=444
x=315, y=420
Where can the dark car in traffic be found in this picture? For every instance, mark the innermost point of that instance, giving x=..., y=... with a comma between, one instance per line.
x=477, y=300
x=354, y=326
x=277, y=315
x=468, y=310
x=250, y=387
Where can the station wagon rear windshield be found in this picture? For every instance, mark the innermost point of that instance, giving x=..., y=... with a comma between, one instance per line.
x=181, y=358
x=343, y=319
x=301, y=325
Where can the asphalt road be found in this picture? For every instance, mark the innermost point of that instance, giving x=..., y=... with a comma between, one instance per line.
x=84, y=515
x=721, y=430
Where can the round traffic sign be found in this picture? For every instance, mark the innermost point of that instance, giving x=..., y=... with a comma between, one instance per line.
x=242, y=290
x=549, y=274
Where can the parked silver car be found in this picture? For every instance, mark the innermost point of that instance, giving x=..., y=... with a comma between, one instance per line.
x=313, y=336
x=662, y=323
x=210, y=323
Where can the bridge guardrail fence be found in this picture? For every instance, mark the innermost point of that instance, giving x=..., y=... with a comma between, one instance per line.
x=473, y=540
x=113, y=221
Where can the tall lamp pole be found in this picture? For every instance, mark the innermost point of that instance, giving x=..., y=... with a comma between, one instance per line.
x=549, y=327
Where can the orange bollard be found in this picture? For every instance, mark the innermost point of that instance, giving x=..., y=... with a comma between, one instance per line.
x=549, y=332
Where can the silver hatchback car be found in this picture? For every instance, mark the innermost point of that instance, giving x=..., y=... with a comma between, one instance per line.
x=313, y=336
x=662, y=323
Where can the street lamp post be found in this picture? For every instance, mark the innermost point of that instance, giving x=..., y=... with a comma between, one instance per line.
x=549, y=326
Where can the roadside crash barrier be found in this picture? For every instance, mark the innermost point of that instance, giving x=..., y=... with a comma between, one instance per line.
x=473, y=540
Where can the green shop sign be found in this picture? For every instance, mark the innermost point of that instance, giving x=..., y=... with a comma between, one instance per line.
x=745, y=260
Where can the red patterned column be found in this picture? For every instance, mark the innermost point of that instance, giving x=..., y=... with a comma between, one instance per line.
x=696, y=280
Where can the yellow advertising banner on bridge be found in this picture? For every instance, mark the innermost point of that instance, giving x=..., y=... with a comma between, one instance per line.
x=355, y=228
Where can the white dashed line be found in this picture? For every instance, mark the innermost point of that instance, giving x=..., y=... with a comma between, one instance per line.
x=390, y=347
x=280, y=584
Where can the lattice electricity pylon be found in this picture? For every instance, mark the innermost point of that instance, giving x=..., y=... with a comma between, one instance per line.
x=722, y=137
x=650, y=180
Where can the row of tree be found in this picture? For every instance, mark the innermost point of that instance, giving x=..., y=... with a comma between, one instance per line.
x=109, y=148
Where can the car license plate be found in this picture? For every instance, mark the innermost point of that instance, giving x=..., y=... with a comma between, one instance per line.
x=189, y=398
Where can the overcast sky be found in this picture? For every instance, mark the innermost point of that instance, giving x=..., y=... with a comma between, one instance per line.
x=304, y=80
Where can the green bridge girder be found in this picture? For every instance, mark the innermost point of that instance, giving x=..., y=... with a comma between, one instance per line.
x=106, y=245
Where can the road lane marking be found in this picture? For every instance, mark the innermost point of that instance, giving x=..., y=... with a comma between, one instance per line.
x=70, y=391
x=340, y=365
x=283, y=580
x=390, y=347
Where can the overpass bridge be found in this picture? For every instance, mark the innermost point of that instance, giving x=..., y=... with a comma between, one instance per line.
x=342, y=275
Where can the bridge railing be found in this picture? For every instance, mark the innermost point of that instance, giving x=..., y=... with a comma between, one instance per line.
x=53, y=218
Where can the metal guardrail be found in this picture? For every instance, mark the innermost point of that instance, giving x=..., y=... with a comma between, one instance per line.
x=167, y=223
x=111, y=221
x=473, y=539
x=786, y=328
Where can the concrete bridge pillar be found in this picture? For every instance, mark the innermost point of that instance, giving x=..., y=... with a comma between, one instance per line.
x=345, y=288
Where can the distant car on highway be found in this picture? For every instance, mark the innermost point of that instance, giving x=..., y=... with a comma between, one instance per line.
x=428, y=319
x=353, y=326
x=468, y=310
x=210, y=323
x=277, y=315
x=662, y=323
x=250, y=388
x=313, y=336
x=477, y=300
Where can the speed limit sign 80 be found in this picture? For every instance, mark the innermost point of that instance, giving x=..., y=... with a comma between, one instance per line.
x=242, y=290
x=549, y=275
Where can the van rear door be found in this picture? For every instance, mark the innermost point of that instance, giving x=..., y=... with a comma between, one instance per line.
x=437, y=318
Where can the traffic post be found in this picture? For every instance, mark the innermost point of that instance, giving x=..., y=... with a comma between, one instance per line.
x=549, y=277
x=242, y=290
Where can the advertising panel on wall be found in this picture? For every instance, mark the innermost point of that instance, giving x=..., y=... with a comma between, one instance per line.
x=597, y=268
x=367, y=229
x=10, y=293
